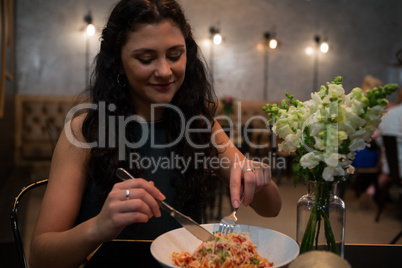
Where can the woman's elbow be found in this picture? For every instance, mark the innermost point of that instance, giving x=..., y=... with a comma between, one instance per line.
x=268, y=208
x=277, y=208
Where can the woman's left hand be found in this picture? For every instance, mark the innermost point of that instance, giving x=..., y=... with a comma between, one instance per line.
x=250, y=177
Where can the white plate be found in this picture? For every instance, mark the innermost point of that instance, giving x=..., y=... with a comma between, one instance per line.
x=275, y=246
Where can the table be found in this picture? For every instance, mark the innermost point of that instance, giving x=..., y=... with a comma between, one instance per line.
x=374, y=255
x=134, y=253
x=124, y=253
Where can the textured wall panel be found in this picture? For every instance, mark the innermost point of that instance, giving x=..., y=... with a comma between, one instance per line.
x=363, y=35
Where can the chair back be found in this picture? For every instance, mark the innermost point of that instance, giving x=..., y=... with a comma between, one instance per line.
x=391, y=153
x=14, y=220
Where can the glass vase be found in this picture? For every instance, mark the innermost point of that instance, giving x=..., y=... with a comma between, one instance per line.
x=321, y=219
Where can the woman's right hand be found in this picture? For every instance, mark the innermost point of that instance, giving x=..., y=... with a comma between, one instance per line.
x=119, y=211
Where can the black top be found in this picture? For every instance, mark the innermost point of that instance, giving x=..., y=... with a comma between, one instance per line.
x=159, y=166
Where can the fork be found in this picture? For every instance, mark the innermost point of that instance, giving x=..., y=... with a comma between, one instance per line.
x=228, y=223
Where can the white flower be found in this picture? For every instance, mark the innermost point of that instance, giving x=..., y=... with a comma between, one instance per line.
x=342, y=135
x=372, y=125
x=336, y=91
x=311, y=159
x=363, y=134
x=357, y=107
x=282, y=130
x=317, y=128
x=333, y=159
x=319, y=143
x=331, y=126
x=373, y=117
x=329, y=172
x=357, y=144
x=313, y=104
x=286, y=147
x=347, y=127
x=337, y=165
x=291, y=142
x=355, y=120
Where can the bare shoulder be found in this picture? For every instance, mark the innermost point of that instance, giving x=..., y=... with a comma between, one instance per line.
x=73, y=131
x=71, y=154
x=72, y=144
x=73, y=128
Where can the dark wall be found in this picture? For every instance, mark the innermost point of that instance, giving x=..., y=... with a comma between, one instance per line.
x=7, y=130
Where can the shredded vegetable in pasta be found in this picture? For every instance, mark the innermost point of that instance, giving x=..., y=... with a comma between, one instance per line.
x=226, y=251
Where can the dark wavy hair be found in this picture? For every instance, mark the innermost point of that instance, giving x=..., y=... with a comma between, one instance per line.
x=195, y=97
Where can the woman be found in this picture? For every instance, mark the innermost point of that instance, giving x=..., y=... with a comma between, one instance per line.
x=151, y=102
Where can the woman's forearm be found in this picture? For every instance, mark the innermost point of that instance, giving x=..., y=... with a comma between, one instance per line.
x=64, y=249
x=267, y=202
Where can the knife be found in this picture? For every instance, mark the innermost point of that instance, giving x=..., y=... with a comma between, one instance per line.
x=188, y=223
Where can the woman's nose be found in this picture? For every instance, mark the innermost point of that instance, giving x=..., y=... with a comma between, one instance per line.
x=163, y=69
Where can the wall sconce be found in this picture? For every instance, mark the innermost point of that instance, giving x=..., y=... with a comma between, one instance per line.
x=215, y=35
x=273, y=43
x=90, y=30
x=269, y=42
x=323, y=48
x=216, y=38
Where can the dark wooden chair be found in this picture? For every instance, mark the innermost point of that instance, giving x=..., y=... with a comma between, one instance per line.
x=16, y=225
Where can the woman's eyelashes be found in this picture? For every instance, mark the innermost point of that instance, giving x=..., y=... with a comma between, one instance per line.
x=145, y=60
x=148, y=59
x=175, y=56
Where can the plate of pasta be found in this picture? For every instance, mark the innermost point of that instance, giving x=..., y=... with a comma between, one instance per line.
x=248, y=246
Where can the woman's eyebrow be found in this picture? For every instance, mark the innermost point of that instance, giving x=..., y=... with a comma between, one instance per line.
x=177, y=47
x=149, y=50
x=143, y=50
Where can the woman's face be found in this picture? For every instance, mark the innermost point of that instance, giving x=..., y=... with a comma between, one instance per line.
x=154, y=61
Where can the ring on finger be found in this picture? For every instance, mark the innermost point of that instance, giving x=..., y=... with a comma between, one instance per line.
x=127, y=194
x=249, y=170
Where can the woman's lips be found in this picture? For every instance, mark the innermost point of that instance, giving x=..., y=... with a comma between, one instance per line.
x=163, y=86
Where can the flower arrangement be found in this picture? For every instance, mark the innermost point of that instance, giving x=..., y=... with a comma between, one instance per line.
x=324, y=133
x=228, y=105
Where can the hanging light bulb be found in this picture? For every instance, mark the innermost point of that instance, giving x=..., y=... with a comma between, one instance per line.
x=273, y=43
x=90, y=29
x=324, y=47
x=215, y=35
x=217, y=39
x=270, y=40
